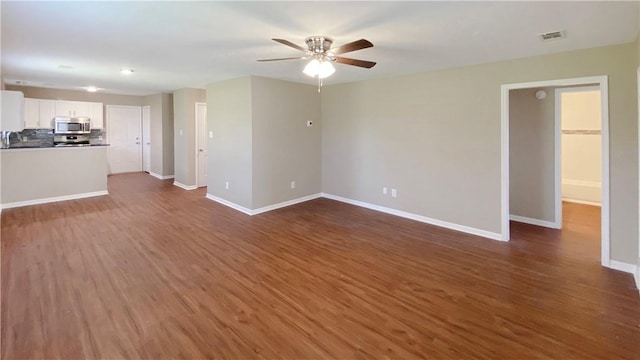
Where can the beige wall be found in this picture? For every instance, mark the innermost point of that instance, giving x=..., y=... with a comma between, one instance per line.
x=59, y=94
x=531, y=154
x=284, y=148
x=261, y=141
x=436, y=138
x=184, y=114
x=230, y=152
x=33, y=174
x=162, y=158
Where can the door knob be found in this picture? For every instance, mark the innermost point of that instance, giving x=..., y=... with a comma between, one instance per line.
x=201, y=150
x=137, y=143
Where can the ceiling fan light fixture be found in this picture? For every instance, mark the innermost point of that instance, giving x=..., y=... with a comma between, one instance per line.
x=321, y=69
x=325, y=69
x=312, y=68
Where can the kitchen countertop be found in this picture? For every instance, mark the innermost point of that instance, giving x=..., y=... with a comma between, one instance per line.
x=82, y=146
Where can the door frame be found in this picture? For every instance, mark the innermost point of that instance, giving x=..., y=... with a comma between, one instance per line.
x=603, y=83
x=197, y=142
x=142, y=132
x=637, y=274
x=558, y=146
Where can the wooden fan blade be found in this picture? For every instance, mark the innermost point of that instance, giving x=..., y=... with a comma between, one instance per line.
x=290, y=44
x=355, y=62
x=288, y=58
x=352, y=46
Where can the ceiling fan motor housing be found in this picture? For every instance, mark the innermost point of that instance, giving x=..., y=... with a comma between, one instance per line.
x=319, y=44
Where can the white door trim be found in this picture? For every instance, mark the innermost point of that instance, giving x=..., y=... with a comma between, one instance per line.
x=146, y=152
x=602, y=82
x=637, y=274
x=557, y=154
x=197, y=132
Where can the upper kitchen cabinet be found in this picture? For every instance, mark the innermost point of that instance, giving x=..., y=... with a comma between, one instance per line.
x=12, y=104
x=39, y=113
x=96, y=114
x=92, y=110
x=72, y=108
x=31, y=113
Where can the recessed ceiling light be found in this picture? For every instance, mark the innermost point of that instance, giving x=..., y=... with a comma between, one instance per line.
x=67, y=67
x=126, y=71
x=92, y=89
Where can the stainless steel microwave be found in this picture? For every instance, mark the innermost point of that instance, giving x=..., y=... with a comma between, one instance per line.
x=71, y=125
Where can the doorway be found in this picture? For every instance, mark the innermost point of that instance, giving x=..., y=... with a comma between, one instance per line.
x=601, y=82
x=146, y=139
x=578, y=146
x=201, y=144
x=124, y=128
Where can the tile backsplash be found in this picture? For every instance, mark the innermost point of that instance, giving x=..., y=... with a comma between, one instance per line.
x=44, y=137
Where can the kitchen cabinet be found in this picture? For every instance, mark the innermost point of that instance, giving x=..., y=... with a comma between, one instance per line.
x=12, y=104
x=96, y=114
x=92, y=110
x=38, y=113
x=47, y=113
x=31, y=113
x=72, y=108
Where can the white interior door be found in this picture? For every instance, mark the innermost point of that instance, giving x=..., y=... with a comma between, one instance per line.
x=146, y=138
x=123, y=130
x=201, y=143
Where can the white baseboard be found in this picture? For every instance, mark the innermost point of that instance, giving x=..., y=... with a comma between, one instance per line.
x=532, y=221
x=230, y=204
x=583, y=202
x=637, y=274
x=285, y=203
x=424, y=219
x=183, y=186
x=582, y=192
x=161, y=177
x=262, y=209
x=54, y=199
x=622, y=266
x=628, y=268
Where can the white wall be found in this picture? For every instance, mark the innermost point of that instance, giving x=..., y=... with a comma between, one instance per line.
x=581, y=146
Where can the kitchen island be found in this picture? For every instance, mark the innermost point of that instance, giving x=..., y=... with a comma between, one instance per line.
x=30, y=176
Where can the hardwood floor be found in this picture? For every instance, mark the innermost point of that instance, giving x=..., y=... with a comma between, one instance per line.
x=153, y=271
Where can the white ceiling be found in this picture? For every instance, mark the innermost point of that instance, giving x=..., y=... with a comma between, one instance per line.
x=173, y=45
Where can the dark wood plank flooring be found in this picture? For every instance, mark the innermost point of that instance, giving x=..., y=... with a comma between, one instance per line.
x=152, y=271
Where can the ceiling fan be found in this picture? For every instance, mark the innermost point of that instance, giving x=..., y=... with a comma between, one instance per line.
x=322, y=55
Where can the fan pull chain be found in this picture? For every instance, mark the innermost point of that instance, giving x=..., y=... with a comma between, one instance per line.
x=319, y=84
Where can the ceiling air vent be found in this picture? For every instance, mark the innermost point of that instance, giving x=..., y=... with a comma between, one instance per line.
x=556, y=35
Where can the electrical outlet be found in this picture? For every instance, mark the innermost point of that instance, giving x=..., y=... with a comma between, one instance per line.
x=226, y=185
x=293, y=184
x=180, y=131
x=309, y=123
x=210, y=134
x=394, y=193
x=384, y=191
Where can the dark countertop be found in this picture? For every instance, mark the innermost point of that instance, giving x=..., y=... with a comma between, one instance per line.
x=53, y=147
